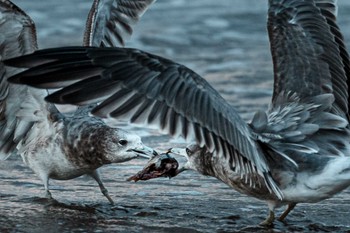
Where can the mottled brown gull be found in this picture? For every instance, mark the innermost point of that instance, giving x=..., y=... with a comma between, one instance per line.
x=295, y=152
x=52, y=144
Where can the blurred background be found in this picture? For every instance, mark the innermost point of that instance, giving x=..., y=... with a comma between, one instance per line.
x=226, y=42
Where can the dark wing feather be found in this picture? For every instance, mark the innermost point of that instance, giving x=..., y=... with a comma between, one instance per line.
x=148, y=89
x=110, y=22
x=328, y=9
x=17, y=34
x=20, y=106
x=307, y=52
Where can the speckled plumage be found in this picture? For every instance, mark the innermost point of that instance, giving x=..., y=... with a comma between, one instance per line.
x=55, y=145
x=295, y=151
x=74, y=146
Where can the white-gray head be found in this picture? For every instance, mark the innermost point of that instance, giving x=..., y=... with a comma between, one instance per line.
x=197, y=158
x=125, y=146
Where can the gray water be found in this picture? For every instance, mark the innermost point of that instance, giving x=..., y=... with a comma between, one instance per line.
x=226, y=42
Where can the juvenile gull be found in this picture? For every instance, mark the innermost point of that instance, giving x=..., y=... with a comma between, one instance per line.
x=52, y=144
x=296, y=151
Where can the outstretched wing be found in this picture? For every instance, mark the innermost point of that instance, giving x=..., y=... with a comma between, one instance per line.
x=148, y=89
x=308, y=54
x=329, y=10
x=110, y=22
x=20, y=106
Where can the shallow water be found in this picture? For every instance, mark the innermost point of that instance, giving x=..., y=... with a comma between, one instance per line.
x=226, y=42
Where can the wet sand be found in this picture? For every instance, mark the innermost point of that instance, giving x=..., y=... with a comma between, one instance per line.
x=227, y=43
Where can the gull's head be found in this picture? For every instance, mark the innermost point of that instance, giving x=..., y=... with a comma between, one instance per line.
x=195, y=156
x=124, y=146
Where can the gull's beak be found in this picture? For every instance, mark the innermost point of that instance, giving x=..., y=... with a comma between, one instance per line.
x=178, y=151
x=144, y=152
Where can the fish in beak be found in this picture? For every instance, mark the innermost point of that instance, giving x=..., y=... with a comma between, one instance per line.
x=160, y=165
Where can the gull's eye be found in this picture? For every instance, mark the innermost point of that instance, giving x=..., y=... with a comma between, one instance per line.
x=188, y=151
x=123, y=142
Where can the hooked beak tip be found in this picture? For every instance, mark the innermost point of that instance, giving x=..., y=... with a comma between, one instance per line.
x=177, y=151
x=145, y=152
x=155, y=153
x=143, y=156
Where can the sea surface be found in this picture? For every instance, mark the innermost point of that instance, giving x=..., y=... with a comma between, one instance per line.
x=226, y=42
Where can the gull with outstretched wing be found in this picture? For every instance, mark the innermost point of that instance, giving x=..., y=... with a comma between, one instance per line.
x=55, y=145
x=297, y=151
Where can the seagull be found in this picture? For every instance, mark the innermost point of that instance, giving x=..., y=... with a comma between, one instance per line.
x=296, y=151
x=53, y=144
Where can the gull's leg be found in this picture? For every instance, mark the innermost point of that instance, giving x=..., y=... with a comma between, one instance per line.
x=271, y=217
x=269, y=220
x=45, y=179
x=48, y=193
x=286, y=212
x=95, y=174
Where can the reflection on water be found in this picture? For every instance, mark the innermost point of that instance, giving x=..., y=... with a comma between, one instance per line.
x=226, y=42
